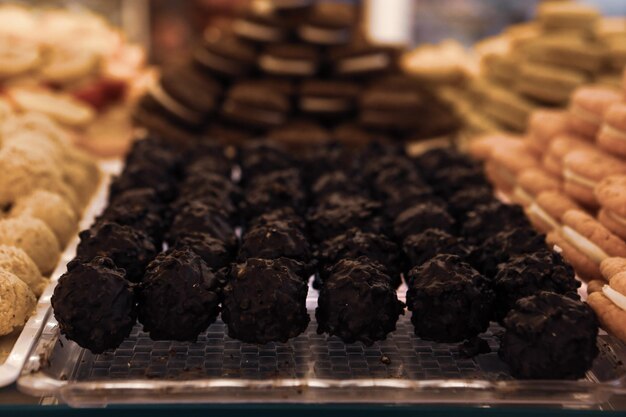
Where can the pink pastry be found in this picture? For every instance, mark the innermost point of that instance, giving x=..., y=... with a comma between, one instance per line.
x=587, y=108
x=612, y=136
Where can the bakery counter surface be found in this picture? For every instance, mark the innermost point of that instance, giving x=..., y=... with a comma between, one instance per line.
x=13, y=402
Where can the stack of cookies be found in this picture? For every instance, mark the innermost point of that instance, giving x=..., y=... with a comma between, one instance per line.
x=44, y=187
x=74, y=67
x=297, y=72
x=540, y=64
x=569, y=172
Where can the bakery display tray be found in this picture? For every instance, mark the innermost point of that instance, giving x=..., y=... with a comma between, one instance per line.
x=311, y=368
x=27, y=337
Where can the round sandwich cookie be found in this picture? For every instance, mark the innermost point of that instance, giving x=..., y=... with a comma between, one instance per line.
x=328, y=24
x=587, y=108
x=546, y=212
x=481, y=147
x=255, y=106
x=611, y=195
x=501, y=69
x=289, y=60
x=567, y=16
x=612, y=266
x=507, y=108
x=559, y=147
x=543, y=126
x=609, y=300
x=612, y=135
x=362, y=60
x=352, y=135
x=327, y=98
x=584, y=169
x=225, y=56
x=508, y=163
x=299, y=134
x=548, y=84
x=186, y=94
x=531, y=182
x=567, y=52
x=585, y=242
x=261, y=25
x=390, y=110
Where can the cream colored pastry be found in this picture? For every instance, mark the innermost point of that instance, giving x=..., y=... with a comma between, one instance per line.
x=35, y=143
x=35, y=238
x=65, y=65
x=17, y=262
x=17, y=302
x=37, y=123
x=24, y=171
x=52, y=209
x=61, y=107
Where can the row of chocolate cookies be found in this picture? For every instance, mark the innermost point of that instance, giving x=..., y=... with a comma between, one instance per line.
x=182, y=288
x=265, y=298
x=95, y=301
x=272, y=70
x=357, y=262
x=483, y=262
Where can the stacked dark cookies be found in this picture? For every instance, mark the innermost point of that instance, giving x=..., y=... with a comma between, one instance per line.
x=359, y=220
x=297, y=76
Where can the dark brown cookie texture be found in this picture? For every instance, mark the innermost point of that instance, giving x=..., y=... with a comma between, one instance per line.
x=255, y=106
x=447, y=181
x=144, y=176
x=449, y=299
x=275, y=241
x=265, y=301
x=272, y=191
x=94, y=304
x=525, y=275
x=289, y=60
x=549, y=336
x=398, y=199
x=179, y=297
x=341, y=212
x=423, y=216
x=213, y=251
x=422, y=247
x=128, y=248
x=139, y=209
x=200, y=184
x=466, y=199
x=489, y=219
x=337, y=182
x=154, y=151
x=357, y=303
x=504, y=245
x=197, y=216
x=263, y=157
x=430, y=162
x=285, y=215
x=225, y=56
x=205, y=164
x=356, y=243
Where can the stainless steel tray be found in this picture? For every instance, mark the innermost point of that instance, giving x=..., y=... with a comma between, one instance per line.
x=27, y=337
x=308, y=369
x=311, y=368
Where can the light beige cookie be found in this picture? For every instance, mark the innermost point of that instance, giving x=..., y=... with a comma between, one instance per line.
x=611, y=195
x=546, y=213
x=35, y=238
x=587, y=108
x=585, y=268
x=612, y=135
x=17, y=302
x=543, y=126
x=52, y=209
x=559, y=147
x=531, y=182
x=17, y=262
x=548, y=84
x=612, y=266
x=584, y=169
x=510, y=161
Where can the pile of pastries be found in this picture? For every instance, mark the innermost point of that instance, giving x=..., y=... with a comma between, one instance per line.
x=539, y=64
x=569, y=172
x=74, y=67
x=44, y=187
x=304, y=74
x=360, y=221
